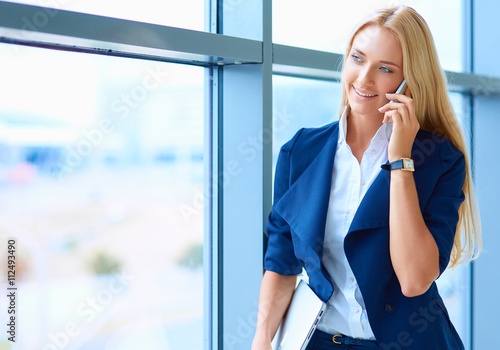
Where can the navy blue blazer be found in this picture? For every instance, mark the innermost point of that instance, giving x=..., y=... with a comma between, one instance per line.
x=296, y=230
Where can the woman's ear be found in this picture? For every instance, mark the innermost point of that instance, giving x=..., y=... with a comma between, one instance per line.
x=408, y=92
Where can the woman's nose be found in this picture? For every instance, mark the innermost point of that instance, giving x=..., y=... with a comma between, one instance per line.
x=366, y=76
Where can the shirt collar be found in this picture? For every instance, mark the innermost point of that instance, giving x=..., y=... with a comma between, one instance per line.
x=343, y=124
x=382, y=135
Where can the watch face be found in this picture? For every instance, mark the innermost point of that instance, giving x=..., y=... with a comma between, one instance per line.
x=408, y=163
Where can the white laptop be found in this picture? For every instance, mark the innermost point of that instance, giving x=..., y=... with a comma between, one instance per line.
x=300, y=320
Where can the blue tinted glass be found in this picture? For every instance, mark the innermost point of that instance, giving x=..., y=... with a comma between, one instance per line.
x=188, y=14
x=454, y=284
x=327, y=25
x=101, y=175
x=299, y=103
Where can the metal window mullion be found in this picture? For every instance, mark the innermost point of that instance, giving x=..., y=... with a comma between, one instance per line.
x=211, y=210
x=307, y=58
x=246, y=112
x=267, y=112
x=137, y=36
x=468, y=54
x=214, y=251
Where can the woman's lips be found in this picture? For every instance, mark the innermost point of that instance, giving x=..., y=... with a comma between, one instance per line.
x=363, y=94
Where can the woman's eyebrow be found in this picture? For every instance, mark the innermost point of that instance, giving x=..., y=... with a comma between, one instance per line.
x=383, y=61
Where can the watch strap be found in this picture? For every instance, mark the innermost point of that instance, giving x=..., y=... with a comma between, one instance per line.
x=396, y=165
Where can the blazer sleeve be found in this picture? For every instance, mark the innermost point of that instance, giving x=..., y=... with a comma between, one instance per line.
x=441, y=211
x=280, y=255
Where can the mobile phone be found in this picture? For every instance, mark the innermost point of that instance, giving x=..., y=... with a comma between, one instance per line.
x=401, y=89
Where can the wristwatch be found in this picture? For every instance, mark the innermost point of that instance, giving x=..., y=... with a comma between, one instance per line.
x=405, y=164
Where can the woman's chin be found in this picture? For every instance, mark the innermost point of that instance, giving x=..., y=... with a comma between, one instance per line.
x=364, y=109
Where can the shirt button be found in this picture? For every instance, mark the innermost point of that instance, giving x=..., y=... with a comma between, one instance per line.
x=356, y=310
x=389, y=308
x=351, y=279
x=373, y=151
x=362, y=182
x=351, y=213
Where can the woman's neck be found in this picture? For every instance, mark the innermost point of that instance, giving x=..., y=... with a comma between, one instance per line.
x=360, y=131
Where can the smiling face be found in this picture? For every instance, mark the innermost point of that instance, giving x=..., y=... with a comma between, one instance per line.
x=373, y=68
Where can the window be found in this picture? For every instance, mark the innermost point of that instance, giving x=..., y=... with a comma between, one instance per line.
x=101, y=175
x=187, y=14
x=326, y=25
x=299, y=103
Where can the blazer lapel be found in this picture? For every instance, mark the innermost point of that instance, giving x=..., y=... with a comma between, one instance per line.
x=373, y=211
x=304, y=206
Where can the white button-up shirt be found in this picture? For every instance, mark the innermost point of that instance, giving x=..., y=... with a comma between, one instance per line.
x=346, y=311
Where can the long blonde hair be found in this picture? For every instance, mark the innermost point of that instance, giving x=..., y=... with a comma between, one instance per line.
x=433, y=109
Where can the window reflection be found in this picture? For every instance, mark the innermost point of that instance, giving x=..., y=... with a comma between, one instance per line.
x=101, y=160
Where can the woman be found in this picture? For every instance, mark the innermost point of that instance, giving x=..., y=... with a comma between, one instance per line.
x=372, y=240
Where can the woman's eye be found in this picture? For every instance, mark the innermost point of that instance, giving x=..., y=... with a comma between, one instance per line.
x=356, y=58
x=385, y=69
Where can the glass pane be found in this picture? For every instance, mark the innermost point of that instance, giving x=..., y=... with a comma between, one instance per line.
x=188, y=14
x=326, y=25
x=454, y=284
x=454, y=287
x=299, y=103
x=100, y=160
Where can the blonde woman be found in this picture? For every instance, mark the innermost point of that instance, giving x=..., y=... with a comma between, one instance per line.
x=376, y=205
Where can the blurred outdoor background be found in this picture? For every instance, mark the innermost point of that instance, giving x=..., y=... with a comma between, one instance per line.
x=101, y=160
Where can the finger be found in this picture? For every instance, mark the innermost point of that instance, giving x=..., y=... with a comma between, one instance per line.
x=386, y=119
x=391, y=106
x=387, y=107
x=409, y=106
x=399, y=97
x=400, y=110
x=395, y=116
x=405, y=105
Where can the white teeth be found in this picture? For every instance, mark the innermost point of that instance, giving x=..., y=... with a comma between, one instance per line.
x=363, y=94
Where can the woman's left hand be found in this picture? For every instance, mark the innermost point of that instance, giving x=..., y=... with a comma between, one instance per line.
x=404, y=124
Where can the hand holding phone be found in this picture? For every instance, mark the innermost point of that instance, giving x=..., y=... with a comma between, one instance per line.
x=404, y=133
x=401, y=90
